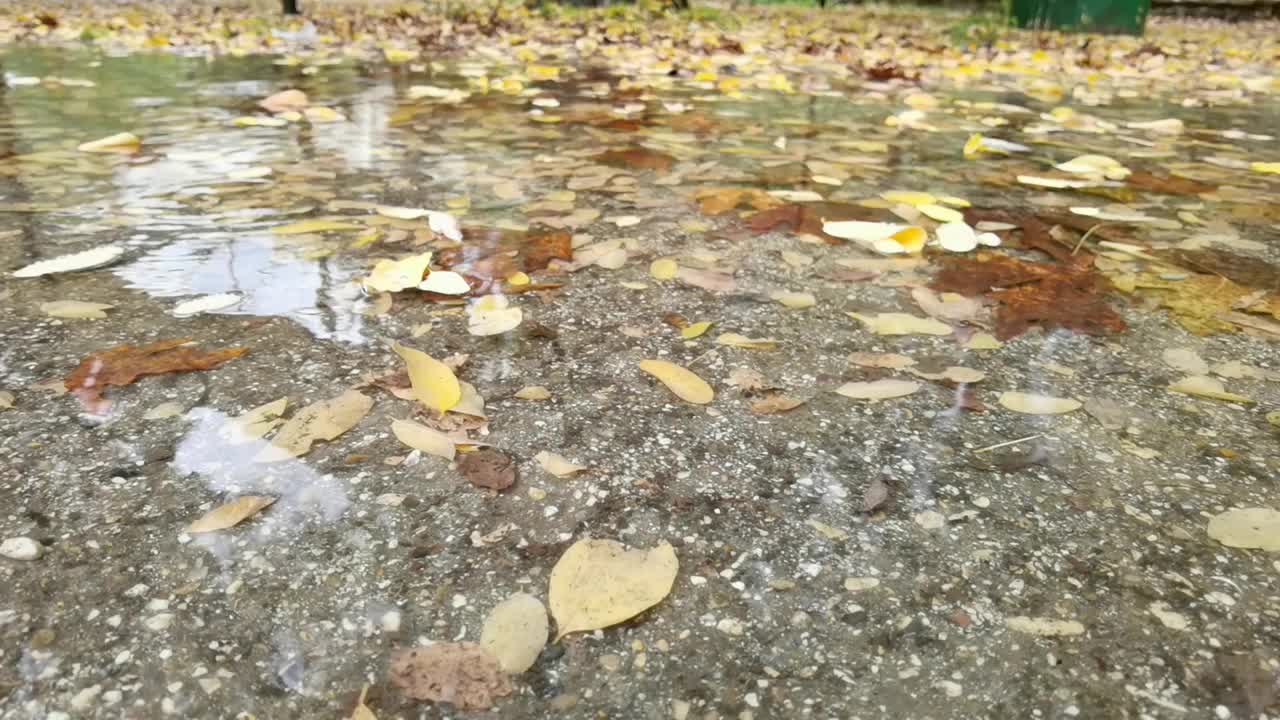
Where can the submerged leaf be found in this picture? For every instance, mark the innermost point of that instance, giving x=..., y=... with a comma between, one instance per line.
x=75, y=309
x=1206, y=387
x=434, y=384
x=231, y=514
x=1032, y=404
x=462, y=674
x=323, y=420
x=901, y=324
x=882, y=389
x=515, y=632
x=488, y=468
x=125, y=141
x=397, y=275
x=421, y=437
x=123, y=364
x=686, y=385
x=598, y=583
x=1247, y=528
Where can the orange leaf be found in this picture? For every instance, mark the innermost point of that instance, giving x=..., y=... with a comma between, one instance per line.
x=636, y=158
x=123, y=364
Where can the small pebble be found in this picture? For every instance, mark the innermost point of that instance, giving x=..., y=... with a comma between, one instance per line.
x=21, y=548
x=729, y=626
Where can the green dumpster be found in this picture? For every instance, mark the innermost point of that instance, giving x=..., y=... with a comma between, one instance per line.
x=1101, y=16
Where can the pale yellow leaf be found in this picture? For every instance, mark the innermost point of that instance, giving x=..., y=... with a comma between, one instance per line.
x=883, y=389
x=112, y=143
x=6, y=399
x=515, y=632
x=1033, y=404
x=941, y=213
x=1257, y=528
x=793, y=300
x=494, y=322
x=558, y=465
x=254, y=424
x=471, y=403
x=323, y=420
x=397, y=275
x=901, y=324
x=663, y=269
x=742, y=341
x=362, y=711
x=400, y=213
x=434, y=384
x=163, y=411
x=507, y=191
x=693, y=330
x=686, y=385
x=231, y=514
x=881, y=360
x=445, y=282
x=533, y=392
x=1206, y=387
x=598, y=583
x=75, y=309
x=314, y=226
x=421, y=437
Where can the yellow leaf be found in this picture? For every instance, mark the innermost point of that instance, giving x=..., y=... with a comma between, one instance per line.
x=542, y=72
x=663, y=269
x=125, y=141
x=558, y=465
x=742, y=341
x=1255, y=527
x=445, y=282
x=254, y=424
x=322, y=114
x=598, y=583
x=902, y=324
x=313, y=226
x=1265, y=167
x=794, y=300
x=421, y=437
x=434, y=384
x=75, y=309
x=397, y=55
x=1207, y=387
x=941, y=214
x=533, y=392
x=693, y=330
x=515, y=632
x=684, y=384
x=362, y=711
x=1032, y=404
x=323, y=420
x=253, y=121
x=914, y=199
x=401, y=213
x=517, y=279
x=397, y=275
x=878, y=389
x=231, y=514
x=496, y=321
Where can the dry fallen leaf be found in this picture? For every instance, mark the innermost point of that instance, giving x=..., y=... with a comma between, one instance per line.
x=434, y=384
x=123, y=364
x=488, y=468
x=323, y=420
x=231, y=514
x=515, y=632
x=883, y=389
x=747, y=380
x=598, y=583
x=462, y=674
x=686, y=385
x=1257, y=528
x=421, y=437
x=557, y=465
x=1032, y=404
x=742, y=341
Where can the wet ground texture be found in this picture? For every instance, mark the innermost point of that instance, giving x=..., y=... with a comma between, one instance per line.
x=1019, y=502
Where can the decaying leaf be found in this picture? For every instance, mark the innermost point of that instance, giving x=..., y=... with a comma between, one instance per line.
x=774, y=404
x=1199, y=302
x=488, y=468
x=323, y=420
x=901, y=324
x=434, y=384
x=421, y=437
x=683, y=383
x=254, y=424
x=1032, y=404
x=123, y=364
x=1207, y=387
x=558, y=465
x=638, y=158
x=87, y=260
x=598, y=583
x=949, y=307
x=462, y=674
x=892, y=361
x=1256, y=528
x=206, y=303
x=515, y=631
x=748, y=380
x=1186, y=360
x=707, y=279
x=75, y=309
x=882, y=389
x=164, y=411
x=362, y=711
x=231, y=514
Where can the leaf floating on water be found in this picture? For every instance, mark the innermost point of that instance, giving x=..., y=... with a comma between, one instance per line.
x=120, y=142
x=515, y=632
x=314, y=226
x=434, y=384
x=686, y=385
x=1032, y=404
x=445, y=283
x=75, y=309
x=557, y=465
x=397, y=275
x=231, y=514
x=284, y=101
x=490, y=469
x=883, y=389
x=1254, y=528
x=462, y=674
x=207, y=303
x=124, y=364
x=421, y=437
x=598, y=583
x=1206, y=387
x=323, y=420
x=87, y=260
x=254, y=424
x=901, y=324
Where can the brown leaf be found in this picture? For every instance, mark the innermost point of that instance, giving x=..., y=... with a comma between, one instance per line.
x=886, y=70
x=284, y=101
x=1049, y=296
x=774, y=404
x=490, y=469
x=462, y=674
x=636, y=158
x=1240, y=269
x=230, y=514
x=123, y=364
x=542, y=248
x=716, y=201
x=876, y=494
x=808, y=218
x=1168, y=184
x=1035, y=234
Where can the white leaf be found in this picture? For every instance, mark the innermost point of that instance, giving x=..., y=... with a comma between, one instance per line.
x=957, y=237
x=86, y=260
x=883, y=389
x=444, y=224
x=1032, y=404
x=207, y=303
x=445, y=283
x=557, y=465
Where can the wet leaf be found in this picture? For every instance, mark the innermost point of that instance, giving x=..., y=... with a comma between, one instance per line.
x=707, y=279
x=533, y=392
x=462, y=674
x=87, y=260
x=746, y=343
x=164, y=411
x=774, y=404
x=493, y=316
x=421, y=437
x=748, y=380
x=557, y=464
x=663, y=269
x=515, y=632
x=636, y=158
x=284, y=101
x=951, y=307
x=120, y=142
x=124, y=364
x=598, y=583
x=1045, y=627
x=876, y=494
x=793, y=300
x=1168, y=184
x=1032, y=404
x=206, y=303
x=434, y=384
x=542, y=248
x=314, y=226
x=695, y=330
x=397, y=275
x=1206, y=387
x=883, y=389
x=1186, y=360
x=362, y=711
x=75, y=309
x=901, y=324
x=445, y=283
x=881, y=360
x=6, y=400
x=488, y=468
x=683, y=383
x=254, y=424
x=323, y=420
x=1255, y=528
x=231, y=514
